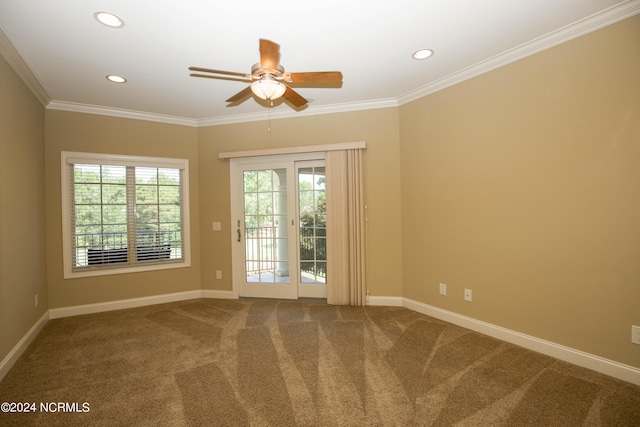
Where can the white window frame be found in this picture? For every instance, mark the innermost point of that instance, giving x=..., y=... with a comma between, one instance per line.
x=68, y=158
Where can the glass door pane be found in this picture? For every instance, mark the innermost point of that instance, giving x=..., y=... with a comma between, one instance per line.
x=265, y=226
x=312, y=230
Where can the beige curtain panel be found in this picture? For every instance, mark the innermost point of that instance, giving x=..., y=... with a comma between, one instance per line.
x=346, y=275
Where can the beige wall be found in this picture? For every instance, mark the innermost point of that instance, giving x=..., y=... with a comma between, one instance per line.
x=66, y=131
x=523, y=185
x=379, y=128
x=22, y=225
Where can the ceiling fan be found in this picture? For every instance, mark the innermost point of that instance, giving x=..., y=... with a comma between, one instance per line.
x=268, y=77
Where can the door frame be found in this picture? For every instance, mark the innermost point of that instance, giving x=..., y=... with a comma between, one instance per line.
x=236, y=190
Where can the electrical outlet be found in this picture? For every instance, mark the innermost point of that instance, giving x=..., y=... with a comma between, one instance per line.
x=218, y=274
x=635, y=334
x=467, y=295
x=443, y=289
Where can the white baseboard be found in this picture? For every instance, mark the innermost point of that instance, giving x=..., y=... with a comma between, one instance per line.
x=76, y=310
x=386, y=301
x=22, y=345
x=576, y=357
x=208, y=293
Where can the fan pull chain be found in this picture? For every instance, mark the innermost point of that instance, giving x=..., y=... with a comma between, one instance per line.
x=269, y=105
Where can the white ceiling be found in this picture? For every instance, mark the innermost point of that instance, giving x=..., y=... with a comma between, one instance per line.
x=64, y=54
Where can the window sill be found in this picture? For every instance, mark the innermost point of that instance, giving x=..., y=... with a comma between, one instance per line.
x=102, y=271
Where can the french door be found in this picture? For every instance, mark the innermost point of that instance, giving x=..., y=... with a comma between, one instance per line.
x=279, y=220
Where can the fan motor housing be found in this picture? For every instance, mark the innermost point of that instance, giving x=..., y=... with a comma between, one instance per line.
x=258, y=71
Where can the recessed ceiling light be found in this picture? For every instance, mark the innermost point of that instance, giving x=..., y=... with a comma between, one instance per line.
x=116, y=79
x=422, y=54
x=109, y=19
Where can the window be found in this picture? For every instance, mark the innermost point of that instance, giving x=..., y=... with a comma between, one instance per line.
x=123, y=214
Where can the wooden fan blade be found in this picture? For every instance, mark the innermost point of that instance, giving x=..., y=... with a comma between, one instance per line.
x=316, y=77
x=293, y=97
x=233, y=79
x=240, y=95
x=269, y=54
x=228, y=73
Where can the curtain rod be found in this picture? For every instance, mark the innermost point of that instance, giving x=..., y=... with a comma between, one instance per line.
x=294, y=150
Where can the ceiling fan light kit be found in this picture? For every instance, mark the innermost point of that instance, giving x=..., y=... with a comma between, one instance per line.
x=267, y=88
x=268, y=78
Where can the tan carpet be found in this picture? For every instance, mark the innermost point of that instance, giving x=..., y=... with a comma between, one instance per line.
x=281, y=363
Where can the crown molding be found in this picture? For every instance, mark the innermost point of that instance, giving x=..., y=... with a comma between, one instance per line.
x=217, y=121
x=595, y=22
x=577, y=29
x=118, y=112
x=310, y=111
x=15, y=61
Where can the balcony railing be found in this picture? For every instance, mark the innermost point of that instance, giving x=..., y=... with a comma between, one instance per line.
x=94, y=249
x=261, y=252
x=313, y=251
